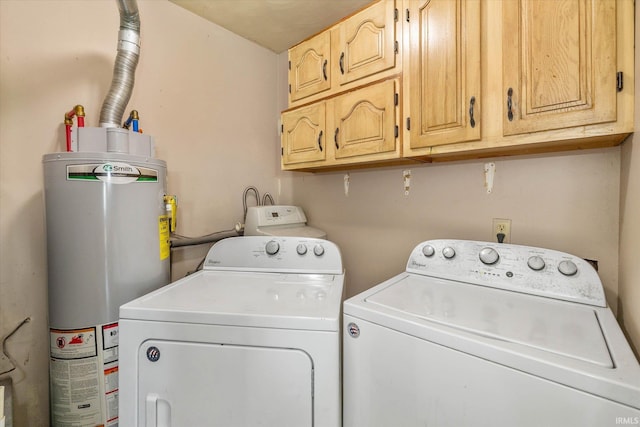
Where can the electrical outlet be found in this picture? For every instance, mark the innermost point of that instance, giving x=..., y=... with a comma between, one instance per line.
x=501, y=226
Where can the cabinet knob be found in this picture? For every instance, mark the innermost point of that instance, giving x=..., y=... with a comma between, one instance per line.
x=472, y=102
x=509, y=104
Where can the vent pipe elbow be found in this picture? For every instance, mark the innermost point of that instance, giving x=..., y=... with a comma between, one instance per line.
x=125, y=66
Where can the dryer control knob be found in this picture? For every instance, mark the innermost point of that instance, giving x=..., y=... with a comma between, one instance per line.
x=568, y=268
x=272, y=247
x=449, y=252
x=489, y=256
x=318, y=250
x=428, y=250
x=536, y=263
x=301, y=249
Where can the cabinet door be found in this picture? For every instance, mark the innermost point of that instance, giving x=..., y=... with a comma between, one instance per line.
x=559, y=64
x=367, y=41
x=309, y=68
x=365, y=122
x=444, y=72
x=303, y=138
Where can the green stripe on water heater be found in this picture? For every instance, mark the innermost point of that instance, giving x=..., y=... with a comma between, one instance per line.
x=87, y=172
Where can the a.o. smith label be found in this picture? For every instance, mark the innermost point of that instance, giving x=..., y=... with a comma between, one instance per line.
x=111, y=172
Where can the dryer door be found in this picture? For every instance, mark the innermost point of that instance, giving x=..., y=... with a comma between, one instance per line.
x=198, y=384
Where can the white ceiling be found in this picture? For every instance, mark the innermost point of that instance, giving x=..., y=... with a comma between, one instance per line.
x=274, y=24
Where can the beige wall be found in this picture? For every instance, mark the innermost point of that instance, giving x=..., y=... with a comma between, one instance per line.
x=630, y=225
x=208, y=97
x=568, y=202
x=211, y=100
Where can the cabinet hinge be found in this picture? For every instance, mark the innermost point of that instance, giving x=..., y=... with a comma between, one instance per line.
x=407, y=15
x=395, y=99
x=397, y=131
x=281, y=151
x=396, y=48
x=281, y=129
x=408, y=123
x=289, y=65
x=395, y=15
x=289, y=88
x=619, y=81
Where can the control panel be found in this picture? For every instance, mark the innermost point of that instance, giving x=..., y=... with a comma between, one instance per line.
x=525, y=269
x=275, y=254
x=274, y=215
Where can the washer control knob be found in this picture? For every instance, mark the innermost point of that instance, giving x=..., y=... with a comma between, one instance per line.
x=428, y=250
x=568, y=268
x=535, y=263
x=272, y=247
x=318, y=250
x=449, y=252
x=301, y=249
x=489, y=256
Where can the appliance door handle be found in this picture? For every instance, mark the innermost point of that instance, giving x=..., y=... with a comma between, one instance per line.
x=157, y=411
x=151, y=410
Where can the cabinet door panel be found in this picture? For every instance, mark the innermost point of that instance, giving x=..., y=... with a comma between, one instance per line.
x=303, y=138
x=365, y=121
x=559, y=64
x=444, y=72
x=367, y=42
x=309, y=68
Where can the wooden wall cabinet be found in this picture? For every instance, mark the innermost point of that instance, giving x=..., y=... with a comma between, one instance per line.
x=443, y=81
x=357, y=127
x=549, y=75
x=309, y=67
x=479, y=78
x=361, y=49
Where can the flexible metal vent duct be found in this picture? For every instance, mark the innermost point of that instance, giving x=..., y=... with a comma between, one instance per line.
x=125, y=66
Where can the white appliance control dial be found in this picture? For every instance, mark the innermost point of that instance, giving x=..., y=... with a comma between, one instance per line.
x=318, y=250
x=272, y=247
x=536, y=263
x=273, y=254
x=428, y=250
x=524, y=269
x=489, y=256
x=448, y=252
x=568, y=268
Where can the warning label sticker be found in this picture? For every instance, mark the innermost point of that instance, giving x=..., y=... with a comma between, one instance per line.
x=164, y=235
x=83, y=371
x=73, y=344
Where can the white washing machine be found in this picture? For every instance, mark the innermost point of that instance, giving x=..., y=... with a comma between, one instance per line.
x=484, y=334
x=251, y=340
x=279, y=220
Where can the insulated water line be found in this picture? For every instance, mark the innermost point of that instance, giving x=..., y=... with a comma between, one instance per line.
x=125, y=66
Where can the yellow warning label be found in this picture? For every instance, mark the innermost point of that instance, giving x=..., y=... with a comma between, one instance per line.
x=163, y=230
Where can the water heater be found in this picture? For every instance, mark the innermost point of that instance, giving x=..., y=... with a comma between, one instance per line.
x=107, y=243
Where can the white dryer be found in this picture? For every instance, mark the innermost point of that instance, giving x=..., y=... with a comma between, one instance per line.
x=279, y=220
x=251, y=340
x=484, y=334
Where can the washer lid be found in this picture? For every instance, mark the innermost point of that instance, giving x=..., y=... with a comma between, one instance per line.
x=559, y=327
x=275, y=300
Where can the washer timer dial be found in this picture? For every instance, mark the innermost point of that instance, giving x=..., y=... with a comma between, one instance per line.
x=272, y=247
x=489, y=256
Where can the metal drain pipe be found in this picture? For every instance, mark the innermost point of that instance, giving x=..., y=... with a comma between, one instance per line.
x=125, y=66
